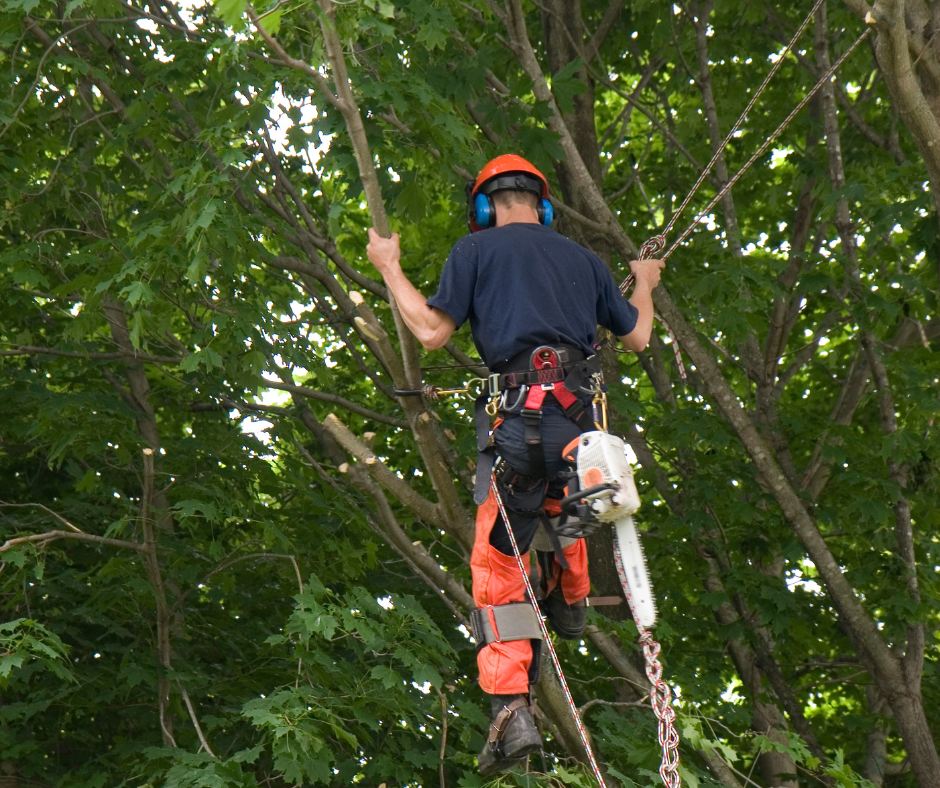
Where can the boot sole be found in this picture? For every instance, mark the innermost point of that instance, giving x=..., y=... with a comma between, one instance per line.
x=489, y=764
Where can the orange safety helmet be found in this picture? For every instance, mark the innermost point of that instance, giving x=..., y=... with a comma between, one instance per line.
x=505, y=172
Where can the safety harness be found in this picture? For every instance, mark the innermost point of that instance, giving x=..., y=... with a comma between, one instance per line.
x=562, y=372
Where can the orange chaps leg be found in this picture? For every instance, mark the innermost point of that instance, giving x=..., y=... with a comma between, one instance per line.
x=504, y=667
x=575, y=581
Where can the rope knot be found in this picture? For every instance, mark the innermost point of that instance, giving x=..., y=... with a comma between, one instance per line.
x=653, y=247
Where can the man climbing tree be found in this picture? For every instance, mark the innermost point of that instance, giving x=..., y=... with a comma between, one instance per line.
x=533, y=299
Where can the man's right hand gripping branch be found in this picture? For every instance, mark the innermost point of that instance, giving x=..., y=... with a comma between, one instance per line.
x=533, y=299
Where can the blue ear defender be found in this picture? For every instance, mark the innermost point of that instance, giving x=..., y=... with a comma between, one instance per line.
x=485, y=210
x=546, y=213
x=481, y=210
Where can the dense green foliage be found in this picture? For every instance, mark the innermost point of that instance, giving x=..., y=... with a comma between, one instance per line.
x=181, y=219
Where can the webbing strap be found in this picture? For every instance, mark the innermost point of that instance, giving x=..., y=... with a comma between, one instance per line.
x=532, y=416
x=504, y=623
x=486, y=454
x=502, y=720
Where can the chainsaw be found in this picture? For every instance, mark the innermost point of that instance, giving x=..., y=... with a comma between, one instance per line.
x=606, y=493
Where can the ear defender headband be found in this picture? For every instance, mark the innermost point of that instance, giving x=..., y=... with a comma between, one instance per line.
x=481, y=210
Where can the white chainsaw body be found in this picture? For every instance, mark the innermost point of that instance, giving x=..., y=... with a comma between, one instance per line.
x=602, y=461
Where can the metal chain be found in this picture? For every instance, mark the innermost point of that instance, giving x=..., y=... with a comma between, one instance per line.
x=661, y=694
x=548, y=642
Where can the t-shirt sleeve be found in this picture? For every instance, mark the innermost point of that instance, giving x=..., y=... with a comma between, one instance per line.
x=455, y=292
x=614, y=312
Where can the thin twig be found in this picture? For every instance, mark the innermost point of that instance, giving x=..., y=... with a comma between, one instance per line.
x=443, y=698
x=192, y=716
x=46, y=509
x=51, y=536
x=638, y=704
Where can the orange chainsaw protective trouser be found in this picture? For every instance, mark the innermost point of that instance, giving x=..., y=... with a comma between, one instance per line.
x=508, y=668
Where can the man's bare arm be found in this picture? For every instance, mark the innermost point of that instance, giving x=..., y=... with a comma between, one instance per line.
x=647, y=274
x=430, y=325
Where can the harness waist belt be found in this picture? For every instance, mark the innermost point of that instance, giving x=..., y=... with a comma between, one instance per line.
x=544, y=376
x=503, y=623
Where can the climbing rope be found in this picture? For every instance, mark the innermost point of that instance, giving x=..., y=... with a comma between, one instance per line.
x=661, y=694
x=724, y=143
x=760, y=151
x=653, y=247
x=548, y=642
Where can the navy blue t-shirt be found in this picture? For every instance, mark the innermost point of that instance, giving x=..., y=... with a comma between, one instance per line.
x=524, y=285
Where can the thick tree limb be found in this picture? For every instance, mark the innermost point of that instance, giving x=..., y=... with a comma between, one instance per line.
x=370, y=184
x=34, y=350
x=897, y=679
x=611, y=15
x=429, y=570
x=155, y=576
x=425, y=509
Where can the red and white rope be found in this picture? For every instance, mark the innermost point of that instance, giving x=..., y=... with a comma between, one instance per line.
x=548, y=642
x=761, y=150
x=653, y=247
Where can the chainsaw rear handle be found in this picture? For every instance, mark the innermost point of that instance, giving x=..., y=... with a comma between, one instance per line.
x=580, y=495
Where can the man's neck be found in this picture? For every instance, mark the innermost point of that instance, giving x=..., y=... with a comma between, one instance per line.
x=516, y=214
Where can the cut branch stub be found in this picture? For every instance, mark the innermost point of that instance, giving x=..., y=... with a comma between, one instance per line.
x=425, y=509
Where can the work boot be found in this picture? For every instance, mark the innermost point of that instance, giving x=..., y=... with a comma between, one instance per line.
x=567, y=621
x=512, y=735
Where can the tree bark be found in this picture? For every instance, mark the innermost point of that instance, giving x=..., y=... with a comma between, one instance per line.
x=905, y=27
x=898, y=679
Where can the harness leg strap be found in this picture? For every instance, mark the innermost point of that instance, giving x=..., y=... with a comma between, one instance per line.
x=504, y=623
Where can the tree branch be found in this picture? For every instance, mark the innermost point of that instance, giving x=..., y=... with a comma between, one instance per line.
x=51, y=536
x=610, y=18
x=335, y=399
x=404, y=492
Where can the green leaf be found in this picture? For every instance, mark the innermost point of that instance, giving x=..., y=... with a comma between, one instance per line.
x=387, y=676
x=230, y=11
x=565, y=85
x=205, y=218
x=137, y=292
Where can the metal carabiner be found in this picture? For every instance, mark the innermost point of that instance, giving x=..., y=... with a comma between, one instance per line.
x=518, y=404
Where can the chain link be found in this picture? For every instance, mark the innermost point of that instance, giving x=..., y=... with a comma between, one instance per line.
x=661, y=701
x=661, y=694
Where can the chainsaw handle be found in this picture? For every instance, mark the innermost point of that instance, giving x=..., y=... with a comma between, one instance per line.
x=582, y=494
